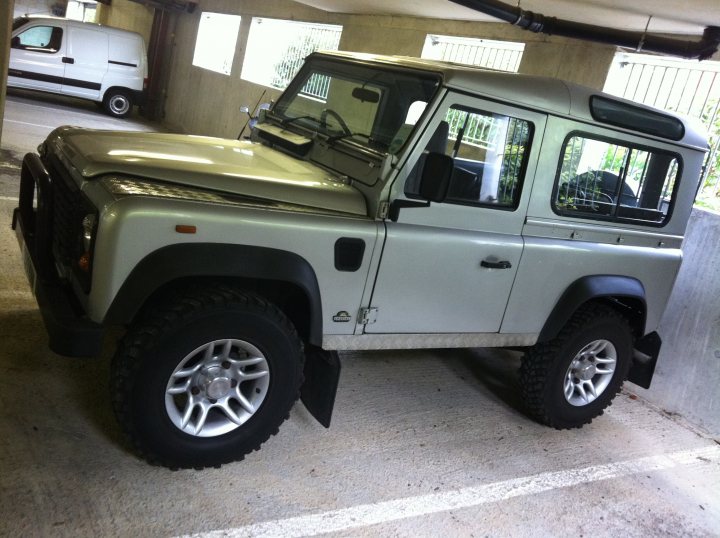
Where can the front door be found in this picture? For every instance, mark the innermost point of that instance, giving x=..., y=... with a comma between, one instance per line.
x=36, y=58
x=449, y=268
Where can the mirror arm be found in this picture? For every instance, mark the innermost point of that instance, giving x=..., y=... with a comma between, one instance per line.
x=397, y=205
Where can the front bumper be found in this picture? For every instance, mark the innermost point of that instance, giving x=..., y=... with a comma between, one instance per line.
x=70, y=332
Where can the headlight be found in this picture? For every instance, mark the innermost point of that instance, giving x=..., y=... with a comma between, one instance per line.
x=89, y=225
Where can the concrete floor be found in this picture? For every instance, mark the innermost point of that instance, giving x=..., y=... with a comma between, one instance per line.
x=423, y=443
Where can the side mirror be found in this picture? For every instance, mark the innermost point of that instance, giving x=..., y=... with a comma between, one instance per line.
x=15, y=42
x=434, y=184
x=435, y=177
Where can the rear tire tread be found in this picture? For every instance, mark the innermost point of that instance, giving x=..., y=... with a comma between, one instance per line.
x=539, y=360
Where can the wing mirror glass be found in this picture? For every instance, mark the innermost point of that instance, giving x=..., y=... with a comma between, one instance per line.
x=435, y=177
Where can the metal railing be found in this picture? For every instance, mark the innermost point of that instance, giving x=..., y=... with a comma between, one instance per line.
x=309, y=38
x=501, y=55
x=684, y=86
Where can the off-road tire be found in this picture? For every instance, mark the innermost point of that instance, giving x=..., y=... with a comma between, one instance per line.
x=544, y=367
x=154, y=346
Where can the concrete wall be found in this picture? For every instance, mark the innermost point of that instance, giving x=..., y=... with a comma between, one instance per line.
x=128, y=16
x=204, y=102
x=687, y=378
x=37, y=7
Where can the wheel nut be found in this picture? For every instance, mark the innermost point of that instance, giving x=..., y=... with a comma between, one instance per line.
x=195, y=391
x=576, y=380
x=212, y=400
x=233, y=383
x=226, y=365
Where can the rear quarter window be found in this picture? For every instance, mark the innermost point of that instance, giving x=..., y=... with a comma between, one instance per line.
x=606, y=179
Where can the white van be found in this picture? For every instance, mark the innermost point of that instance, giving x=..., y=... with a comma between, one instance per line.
x=106, y=65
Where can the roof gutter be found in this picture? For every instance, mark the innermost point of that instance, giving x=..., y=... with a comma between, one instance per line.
x=640, y=41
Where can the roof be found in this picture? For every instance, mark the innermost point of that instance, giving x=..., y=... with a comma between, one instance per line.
x=110, y=29
x=546, y=94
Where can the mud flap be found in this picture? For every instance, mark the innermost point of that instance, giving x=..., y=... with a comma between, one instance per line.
x=322, y=374
x=645, y=358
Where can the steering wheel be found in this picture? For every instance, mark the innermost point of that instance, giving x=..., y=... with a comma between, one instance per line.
x=330, y=112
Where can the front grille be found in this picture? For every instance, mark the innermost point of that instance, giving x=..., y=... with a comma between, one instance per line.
x=69, y=208
x=52, y=208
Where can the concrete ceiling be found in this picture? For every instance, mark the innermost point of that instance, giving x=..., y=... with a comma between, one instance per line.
x=668, y=16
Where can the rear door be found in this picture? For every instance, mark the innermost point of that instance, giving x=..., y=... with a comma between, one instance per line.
x=449, y=268
x=87, y=62
x=36, y=56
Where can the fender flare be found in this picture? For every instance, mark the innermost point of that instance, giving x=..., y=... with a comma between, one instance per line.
x=592, y=287
x=218, y=260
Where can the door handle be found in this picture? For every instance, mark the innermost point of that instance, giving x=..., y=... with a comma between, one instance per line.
x=502, y=264
x=67, y=60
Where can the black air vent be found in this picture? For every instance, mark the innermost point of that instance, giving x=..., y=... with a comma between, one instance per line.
x=349, y=254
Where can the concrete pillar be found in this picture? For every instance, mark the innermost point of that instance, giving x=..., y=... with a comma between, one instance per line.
x=6, y=14
x=575, y=61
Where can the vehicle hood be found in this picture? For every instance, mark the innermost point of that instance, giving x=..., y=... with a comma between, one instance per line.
x=241, y=168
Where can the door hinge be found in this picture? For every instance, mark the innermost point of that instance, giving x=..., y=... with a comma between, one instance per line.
x=383, y=210
x=366, y=316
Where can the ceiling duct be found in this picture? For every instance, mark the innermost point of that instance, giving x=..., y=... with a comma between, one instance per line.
x=640, y=41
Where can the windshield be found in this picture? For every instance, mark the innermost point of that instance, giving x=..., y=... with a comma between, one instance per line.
x=368, y=105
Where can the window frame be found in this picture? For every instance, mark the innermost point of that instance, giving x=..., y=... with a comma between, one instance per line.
x=46, y=49
x=630, y=146
x=521, y=174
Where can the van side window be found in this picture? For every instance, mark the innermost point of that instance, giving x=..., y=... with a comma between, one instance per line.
x=489, y=153
x=615, y=181
x=39, y=39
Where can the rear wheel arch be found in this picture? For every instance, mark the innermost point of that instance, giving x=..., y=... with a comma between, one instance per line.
x=622, y=293
x=282, y=277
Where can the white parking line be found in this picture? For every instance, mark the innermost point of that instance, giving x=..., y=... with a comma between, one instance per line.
x=383, y=512
x=9, y=198
x=31, y=124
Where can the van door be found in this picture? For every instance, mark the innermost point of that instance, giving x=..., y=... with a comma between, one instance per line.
x=36, y=57
x=449, y=267
x=86, y=63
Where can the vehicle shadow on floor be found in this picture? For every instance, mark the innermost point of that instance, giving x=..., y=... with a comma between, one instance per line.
x=75, y=389
x=496, y=370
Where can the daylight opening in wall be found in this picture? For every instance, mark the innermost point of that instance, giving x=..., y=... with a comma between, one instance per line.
x=277, y=48
x=685, y=86
x=81, y=10
x=501, y=55
x=216, y=41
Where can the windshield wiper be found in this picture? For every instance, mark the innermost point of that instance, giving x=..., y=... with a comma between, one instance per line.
x=333, y=139
x=287, y=121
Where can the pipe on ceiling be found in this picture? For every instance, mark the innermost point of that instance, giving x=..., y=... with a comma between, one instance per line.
x=640, y=41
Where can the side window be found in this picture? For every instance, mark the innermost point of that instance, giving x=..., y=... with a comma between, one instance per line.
x=615, y=181
x=489, y=153
x=39, y=39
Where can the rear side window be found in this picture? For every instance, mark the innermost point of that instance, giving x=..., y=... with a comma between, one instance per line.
x=609, y=180
x=39, y=39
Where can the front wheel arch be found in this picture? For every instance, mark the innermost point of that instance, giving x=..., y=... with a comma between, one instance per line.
x=281, y=276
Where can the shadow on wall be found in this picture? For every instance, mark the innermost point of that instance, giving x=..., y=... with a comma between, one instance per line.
x=687, y=378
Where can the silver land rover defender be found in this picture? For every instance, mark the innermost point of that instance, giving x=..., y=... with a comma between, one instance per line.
x=381, y=203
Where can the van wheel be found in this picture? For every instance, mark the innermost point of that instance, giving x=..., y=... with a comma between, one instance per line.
x=570, y=380
x=206, y=377
x=117, y=102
